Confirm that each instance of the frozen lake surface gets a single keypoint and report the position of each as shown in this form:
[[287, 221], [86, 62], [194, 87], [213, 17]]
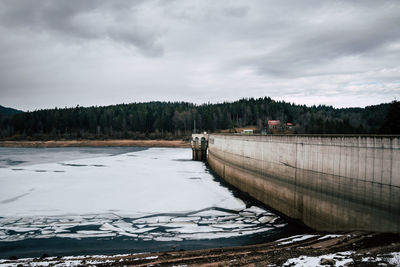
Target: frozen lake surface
[[71, 199]]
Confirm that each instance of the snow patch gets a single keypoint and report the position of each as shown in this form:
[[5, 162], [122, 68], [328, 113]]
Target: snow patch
[[338, 259], [293, 239]]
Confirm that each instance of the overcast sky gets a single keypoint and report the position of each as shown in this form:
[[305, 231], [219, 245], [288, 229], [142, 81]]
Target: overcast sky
[[65, 52]]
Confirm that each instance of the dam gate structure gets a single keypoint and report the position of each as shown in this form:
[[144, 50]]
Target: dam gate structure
[[330, 183], [199, 144]]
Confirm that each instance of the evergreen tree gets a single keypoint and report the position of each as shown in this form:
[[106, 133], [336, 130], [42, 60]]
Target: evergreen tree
[[391, 123], [175, 119]]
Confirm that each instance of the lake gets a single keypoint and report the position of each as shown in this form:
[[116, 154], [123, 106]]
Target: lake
[[75, 201]]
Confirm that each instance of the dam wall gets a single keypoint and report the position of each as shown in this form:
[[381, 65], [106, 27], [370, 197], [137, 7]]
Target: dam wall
[[330, 183]]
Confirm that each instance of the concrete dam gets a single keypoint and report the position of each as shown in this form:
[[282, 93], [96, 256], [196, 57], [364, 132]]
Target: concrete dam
[[329, 183]]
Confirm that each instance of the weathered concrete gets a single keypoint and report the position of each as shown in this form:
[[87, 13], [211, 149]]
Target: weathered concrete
[[328, 182], [199, 144]]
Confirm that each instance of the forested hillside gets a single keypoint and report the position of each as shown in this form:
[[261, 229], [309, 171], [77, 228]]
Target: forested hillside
[[171, 120], [4, 111]]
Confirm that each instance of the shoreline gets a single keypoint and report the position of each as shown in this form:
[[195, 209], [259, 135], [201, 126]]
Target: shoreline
[[313, 249], [97, 143]]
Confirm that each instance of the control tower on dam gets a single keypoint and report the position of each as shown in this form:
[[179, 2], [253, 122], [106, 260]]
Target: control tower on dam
[[330, 183]]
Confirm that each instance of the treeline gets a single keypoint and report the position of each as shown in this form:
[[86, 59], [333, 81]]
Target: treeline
[[172, 120]]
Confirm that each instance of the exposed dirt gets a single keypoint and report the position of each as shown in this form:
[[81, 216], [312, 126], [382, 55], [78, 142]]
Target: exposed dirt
[[362, 246], [272, 253], [96, 143]]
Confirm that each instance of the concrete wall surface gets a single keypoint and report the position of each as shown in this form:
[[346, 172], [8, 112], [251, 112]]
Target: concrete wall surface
[[330, 183]]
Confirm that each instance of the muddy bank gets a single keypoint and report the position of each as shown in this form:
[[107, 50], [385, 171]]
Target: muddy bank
[[312, 249], [96, 143]]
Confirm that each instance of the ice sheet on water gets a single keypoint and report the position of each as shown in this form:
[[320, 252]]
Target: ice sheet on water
[[250, 220], [230, 225], [186, 219], [170, 230], [144, 230], [128, 197], [246, 213], [167, 239], [212, 213], [192, 229], [32, 156], [127, 191], [125, 227], [266, 219], [256, 210], [107, 226], [19, 229], [208, 235], [92, 232], [152, 219], [229, 218], [85, 235], [128, 234]]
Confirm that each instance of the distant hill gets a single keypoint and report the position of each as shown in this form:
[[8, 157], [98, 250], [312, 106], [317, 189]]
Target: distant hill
[[4, 111], [173, 120]]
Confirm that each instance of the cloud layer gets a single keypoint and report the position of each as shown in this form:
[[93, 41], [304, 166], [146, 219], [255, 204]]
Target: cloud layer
[[98, 52]]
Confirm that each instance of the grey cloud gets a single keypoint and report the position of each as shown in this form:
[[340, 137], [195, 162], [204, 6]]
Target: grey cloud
[[89, 19], [368, 33], [308, 46], [237, 11], [42, 13], [63, 52]]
